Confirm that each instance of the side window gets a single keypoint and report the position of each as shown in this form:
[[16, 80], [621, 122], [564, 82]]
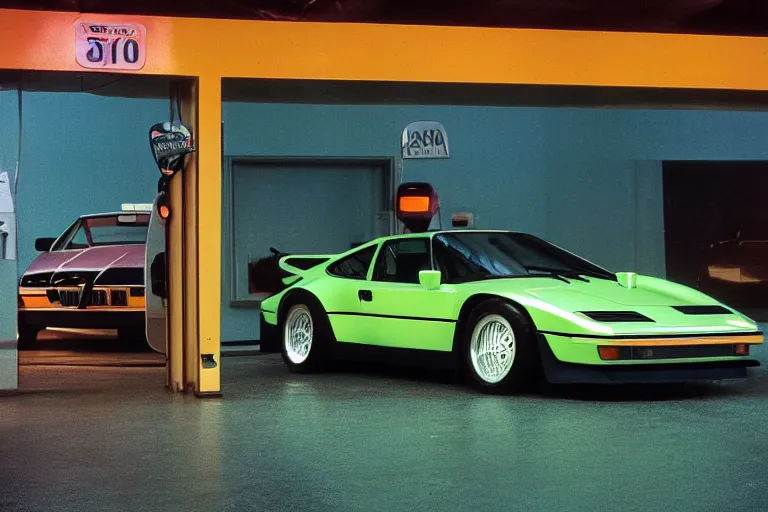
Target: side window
[[78, 241], [400, 261], [354, 266]]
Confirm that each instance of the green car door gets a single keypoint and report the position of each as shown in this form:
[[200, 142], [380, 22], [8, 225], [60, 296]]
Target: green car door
[[397, 311], [341, 293]]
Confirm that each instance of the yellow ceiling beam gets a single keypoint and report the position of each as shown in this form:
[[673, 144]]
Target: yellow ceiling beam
[[38, 40]]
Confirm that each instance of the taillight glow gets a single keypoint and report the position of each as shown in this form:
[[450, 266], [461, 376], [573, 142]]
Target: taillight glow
[[414, 204]]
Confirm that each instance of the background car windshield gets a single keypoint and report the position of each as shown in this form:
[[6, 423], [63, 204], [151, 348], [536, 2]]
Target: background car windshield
[[111, 230], [483, 255]]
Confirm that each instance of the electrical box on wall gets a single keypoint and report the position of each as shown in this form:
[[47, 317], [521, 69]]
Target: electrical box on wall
[[463, 220]]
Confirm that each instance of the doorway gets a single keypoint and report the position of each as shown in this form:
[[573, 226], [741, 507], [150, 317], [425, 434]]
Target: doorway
[[309, 206], [81, 211], [716, 231]]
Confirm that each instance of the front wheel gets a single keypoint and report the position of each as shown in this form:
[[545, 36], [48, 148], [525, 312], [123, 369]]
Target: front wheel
[[27, 335], [134, 338], [304, 338], [499, 348]]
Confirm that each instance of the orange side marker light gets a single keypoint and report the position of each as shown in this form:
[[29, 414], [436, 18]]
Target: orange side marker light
[[608, 353]]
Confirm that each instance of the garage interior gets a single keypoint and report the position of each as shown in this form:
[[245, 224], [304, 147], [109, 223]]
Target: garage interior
[[517, 163], [77, 153], [587, 168], [716, 230]]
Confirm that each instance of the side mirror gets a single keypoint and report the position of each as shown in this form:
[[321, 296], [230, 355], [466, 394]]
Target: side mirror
[[157, 272], [430, 279], [44, 244]]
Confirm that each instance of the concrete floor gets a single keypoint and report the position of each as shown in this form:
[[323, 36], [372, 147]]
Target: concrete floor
[[81, 438]]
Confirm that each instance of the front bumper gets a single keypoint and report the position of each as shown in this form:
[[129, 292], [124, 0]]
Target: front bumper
[[581, 363], [82, 318], [269, 341]]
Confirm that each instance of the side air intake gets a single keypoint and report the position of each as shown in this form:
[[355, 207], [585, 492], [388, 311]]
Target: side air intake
[[702, 310], [616, 316]]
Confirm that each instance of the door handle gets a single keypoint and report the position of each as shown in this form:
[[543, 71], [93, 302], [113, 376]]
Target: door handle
[[365, 295]]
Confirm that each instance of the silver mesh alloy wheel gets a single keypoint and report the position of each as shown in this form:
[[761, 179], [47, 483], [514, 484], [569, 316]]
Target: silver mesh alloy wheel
[[492, 348], [298, 334]]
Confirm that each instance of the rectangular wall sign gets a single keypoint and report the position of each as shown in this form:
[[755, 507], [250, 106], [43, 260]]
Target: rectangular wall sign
[[424, 139], [110, 46]]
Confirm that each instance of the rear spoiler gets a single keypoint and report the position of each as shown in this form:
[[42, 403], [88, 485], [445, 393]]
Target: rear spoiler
[[298, 264]]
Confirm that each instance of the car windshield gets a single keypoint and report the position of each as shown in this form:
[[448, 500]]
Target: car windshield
[[125, 229], [472, 256]]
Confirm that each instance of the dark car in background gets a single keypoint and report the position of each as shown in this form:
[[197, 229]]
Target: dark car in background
[[736, 270]]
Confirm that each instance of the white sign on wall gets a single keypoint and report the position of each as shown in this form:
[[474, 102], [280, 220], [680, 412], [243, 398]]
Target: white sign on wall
[[424, 139], [7, 219]]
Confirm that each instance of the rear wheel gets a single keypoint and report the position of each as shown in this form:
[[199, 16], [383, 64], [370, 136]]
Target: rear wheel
[[305, 333], [499, 348]]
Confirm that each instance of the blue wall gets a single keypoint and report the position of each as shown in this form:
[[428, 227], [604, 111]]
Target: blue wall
[[589, 179], [81, 153]]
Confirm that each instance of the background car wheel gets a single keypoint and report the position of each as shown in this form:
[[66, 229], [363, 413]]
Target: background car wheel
[[305, 333], [134, 338], [27, 335], [499, 348]]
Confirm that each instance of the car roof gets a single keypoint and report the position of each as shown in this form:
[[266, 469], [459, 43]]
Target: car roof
[[440, 232], [113, 214]]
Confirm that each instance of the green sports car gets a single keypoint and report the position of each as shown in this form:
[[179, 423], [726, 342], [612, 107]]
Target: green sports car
[[503, 308]]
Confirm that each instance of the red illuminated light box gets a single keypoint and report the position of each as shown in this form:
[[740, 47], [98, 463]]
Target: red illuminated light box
[[417, 204]]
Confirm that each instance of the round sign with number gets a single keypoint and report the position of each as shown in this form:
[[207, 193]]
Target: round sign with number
[[110, 46]]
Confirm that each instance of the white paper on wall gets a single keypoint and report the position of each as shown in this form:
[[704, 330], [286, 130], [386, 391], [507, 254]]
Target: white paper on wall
[[6, 199]]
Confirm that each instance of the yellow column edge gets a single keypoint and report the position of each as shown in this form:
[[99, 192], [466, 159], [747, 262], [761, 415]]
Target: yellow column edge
[[209, 233], [175, 260]]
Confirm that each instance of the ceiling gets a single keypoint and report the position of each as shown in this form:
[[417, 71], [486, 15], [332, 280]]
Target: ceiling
[[737, 17]]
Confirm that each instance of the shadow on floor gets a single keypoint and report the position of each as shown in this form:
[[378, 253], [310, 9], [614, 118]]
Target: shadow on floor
[[83, 340], [576, 392]]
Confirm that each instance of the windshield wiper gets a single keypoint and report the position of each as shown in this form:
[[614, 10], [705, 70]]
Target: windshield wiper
[[573, 273], [482, 276], [554, 272], [591, 273]]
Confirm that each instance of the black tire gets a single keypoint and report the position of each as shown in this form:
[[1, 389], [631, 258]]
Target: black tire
[[27, 335], [320, 338], [134, 338], [525, 362]]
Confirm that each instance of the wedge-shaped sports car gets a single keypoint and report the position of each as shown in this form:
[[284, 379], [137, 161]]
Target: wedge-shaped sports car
[[503, 305], [90, 277]]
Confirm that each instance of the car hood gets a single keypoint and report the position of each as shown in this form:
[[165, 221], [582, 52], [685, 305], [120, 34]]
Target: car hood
[[559, 305], [599, 294], [94, 258], [604, 294]]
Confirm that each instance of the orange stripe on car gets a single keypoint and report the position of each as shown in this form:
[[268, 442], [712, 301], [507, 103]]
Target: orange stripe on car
[[669, 342]]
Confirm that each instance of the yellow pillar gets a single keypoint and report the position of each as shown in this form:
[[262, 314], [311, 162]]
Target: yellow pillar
[[189, 102], [194, 247], [175, 263], [209, 236]]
